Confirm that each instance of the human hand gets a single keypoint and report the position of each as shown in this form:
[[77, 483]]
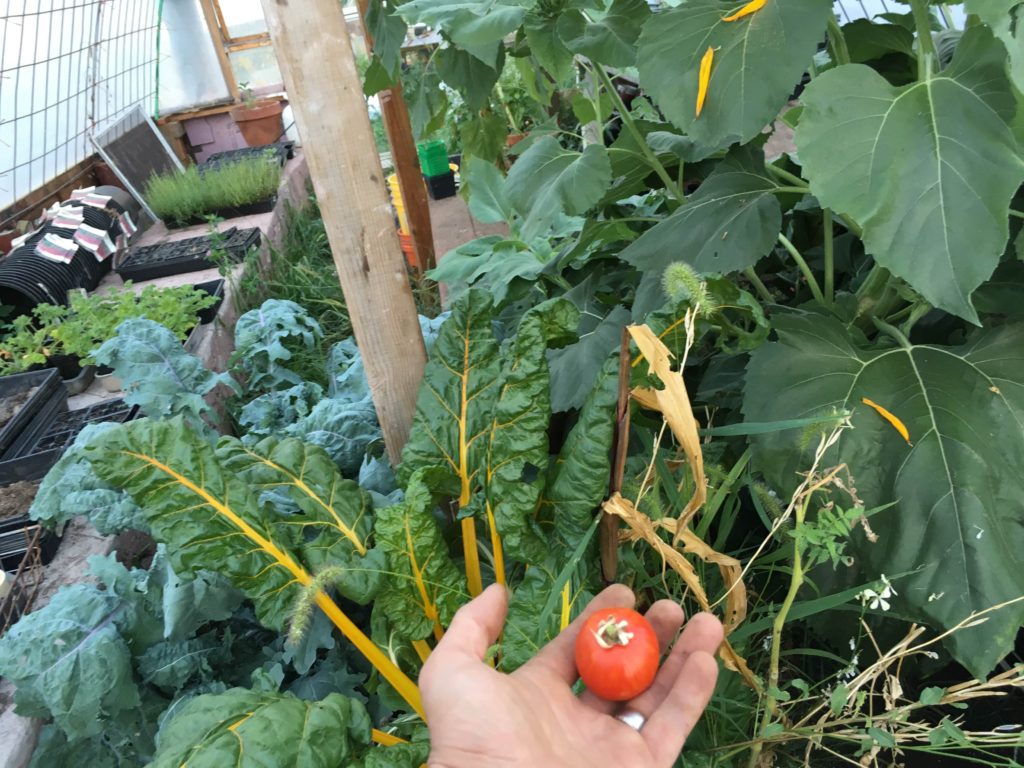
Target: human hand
[[479, 717]]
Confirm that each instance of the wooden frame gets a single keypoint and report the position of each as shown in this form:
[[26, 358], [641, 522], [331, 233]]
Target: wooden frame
[[225, 44]]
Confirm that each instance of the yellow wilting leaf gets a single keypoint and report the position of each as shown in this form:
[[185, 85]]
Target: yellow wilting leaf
[[892, 418], [752, 7], [641, 527], [674, 404], [704, 77]]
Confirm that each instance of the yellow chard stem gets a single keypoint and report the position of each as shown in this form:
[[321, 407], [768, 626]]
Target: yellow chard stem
[[422, 649], [385, 739], [499, 557], [752, 7], [473, 578]]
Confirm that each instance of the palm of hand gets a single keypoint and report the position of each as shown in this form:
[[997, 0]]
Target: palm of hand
[[480, 717]]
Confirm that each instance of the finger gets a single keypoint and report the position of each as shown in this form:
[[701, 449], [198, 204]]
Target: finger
[[558, 656], [669, 726], [704, 634], [475, 627], [665, 617]]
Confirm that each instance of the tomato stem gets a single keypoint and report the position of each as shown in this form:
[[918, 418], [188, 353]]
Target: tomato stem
[[611, 633]]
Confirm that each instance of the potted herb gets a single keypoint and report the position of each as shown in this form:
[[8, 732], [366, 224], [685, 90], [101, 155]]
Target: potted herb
[[259, 120], [237, 189]]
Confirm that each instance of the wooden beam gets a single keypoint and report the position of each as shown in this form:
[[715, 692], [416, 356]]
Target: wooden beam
[[210, 14], [314, 53], [407, 164]]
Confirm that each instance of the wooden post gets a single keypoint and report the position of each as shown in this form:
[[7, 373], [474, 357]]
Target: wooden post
[[315, 56], [407, 164], [210, 14]]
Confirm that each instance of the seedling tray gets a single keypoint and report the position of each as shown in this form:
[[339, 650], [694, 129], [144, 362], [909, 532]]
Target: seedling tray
[[29, 416], [15, 535], [189, 255], [233, 212], [283, 151], [34, 458], [216, 289]]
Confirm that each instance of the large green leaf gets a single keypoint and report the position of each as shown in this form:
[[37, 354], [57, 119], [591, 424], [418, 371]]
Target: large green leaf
[[611, 38], [486, 191], [335, 524], [1006, 18], [426, 588], [453, 408], [548, 180], [578, 478], [928, 170], [958, 485], [249, 729], [388, 32], [492, 263], [483, 136], [208, 517], [69, 661], [468, 75], [517, 442], [757, 62], [731, 221], [546, 46]]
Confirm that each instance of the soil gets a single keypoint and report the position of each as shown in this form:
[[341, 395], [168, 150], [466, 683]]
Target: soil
[[11, 404], [15, 499]]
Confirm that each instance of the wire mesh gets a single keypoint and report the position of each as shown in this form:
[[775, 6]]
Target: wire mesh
[[68, 68], [25, 582]]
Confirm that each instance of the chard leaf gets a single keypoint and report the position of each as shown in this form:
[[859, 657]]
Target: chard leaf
[[68, 661], [757, 62], [426, 588], [728, 224], [173, 664], [453, 408], [261, 336], [861, 140], [334, 526], [960, 496], [157, 374], [578, 478], [517, 440], [249, 729], [548, 180], [207, 516], [397, 756]]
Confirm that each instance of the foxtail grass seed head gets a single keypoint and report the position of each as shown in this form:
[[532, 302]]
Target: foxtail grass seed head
[[302, 615]]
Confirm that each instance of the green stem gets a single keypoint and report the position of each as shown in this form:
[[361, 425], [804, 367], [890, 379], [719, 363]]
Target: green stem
[[812, 283], [830, 259], [630, 125], [1016, 214], [838, 40], [797, 190], [874, 283], [796, 580], [926, 45], [761, 288], [892, 332], [785, 175]]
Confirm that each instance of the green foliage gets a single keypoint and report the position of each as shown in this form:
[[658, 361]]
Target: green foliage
[[157, 374], [956, 482], [252, 729], [190, 195], [261, 342], [91, 319]]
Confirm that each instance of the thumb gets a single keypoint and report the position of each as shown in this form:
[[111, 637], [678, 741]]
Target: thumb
[[475, 628]]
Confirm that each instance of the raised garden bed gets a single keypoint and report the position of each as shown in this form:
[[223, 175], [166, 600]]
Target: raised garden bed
[[17, 530], [28, 403], [189, 255], [216, 289]]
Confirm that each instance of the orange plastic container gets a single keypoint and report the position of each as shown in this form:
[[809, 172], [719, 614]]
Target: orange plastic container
[[408, 248]]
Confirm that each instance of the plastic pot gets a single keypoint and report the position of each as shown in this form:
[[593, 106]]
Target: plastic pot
[[260, 124]]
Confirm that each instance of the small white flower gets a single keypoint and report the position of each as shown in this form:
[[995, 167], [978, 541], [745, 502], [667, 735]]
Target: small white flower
[[931, 655], [853, 644]]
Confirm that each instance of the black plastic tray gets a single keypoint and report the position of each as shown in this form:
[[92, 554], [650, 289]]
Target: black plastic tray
[[15, 535], [440, 187], [188, 255], [283, 151], [216, 289], [49, 384], [34, 458], [233, 212]]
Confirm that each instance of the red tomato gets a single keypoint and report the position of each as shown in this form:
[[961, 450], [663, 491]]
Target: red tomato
[[617, 653]]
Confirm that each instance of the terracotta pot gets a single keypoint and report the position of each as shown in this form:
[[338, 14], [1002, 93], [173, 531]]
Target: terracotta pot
[[260, 124], [513, 139]]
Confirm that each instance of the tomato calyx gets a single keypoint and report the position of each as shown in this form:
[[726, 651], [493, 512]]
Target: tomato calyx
[[611, 633]]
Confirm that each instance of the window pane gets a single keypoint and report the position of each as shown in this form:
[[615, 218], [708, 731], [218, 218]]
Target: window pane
[[243, 17], [256, 66]]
